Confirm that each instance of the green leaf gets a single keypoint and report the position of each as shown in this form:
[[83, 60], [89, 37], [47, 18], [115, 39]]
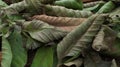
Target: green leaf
[[43, 57], [108, 7], [2, 4], [73, 4], [19, 53], [6, 53], [43, 32], [67, 46]]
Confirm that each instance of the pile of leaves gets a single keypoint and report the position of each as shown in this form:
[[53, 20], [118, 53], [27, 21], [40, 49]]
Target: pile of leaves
[[60, 33]]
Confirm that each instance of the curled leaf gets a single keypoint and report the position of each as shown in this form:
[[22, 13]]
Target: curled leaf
[[98, 41], [92, 4], [59, 21], [72, 4], [15, 8], [67, 28], [95, 8], [104, 39], [87, 38], [70, 40], [64, 12]]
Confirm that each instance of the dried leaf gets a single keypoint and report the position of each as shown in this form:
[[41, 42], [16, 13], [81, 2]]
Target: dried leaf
[[92, 4], [70, 40], [98, 43], [43, 32], [87, 38], [95, 8], [34, 6], [67, 28], [72, 4], [59, 21], [15, 8], [64, 12]]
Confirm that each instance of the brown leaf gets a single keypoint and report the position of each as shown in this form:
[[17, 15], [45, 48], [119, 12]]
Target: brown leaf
[[67, 28], [59, 21], [104, 39]]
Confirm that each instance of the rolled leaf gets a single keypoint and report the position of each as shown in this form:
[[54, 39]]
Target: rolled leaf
[[92, 4], [67, 28], [104, 39], [70, 40], [95, 8], [43, 57], [72, 4], [6, 53], [64, 12], [98, 43], [15, 8], [19, 53], [43, 32], [59, 21], [108, 7], [34, 6]]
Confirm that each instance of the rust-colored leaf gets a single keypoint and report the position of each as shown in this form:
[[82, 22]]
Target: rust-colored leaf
[[59, 21]]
